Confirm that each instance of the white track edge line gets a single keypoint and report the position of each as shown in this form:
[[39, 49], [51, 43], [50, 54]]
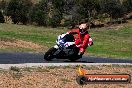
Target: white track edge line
[[7, 66]]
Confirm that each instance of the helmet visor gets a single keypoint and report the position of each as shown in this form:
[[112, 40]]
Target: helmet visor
[[82, 31]]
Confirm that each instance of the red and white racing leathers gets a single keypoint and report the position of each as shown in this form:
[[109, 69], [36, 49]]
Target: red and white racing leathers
[[81, 40]]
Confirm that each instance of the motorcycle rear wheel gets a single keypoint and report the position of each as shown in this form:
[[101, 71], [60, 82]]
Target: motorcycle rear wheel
[[49, 54]]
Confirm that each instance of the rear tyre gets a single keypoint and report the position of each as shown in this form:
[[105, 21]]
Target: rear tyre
[[49, 54], [75, 57]]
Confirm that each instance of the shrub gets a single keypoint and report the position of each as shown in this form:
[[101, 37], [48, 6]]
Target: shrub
[[128, 5], [54, 19], [113, 8], [19, 10], [88, 8], [45, 13], [39, 13]]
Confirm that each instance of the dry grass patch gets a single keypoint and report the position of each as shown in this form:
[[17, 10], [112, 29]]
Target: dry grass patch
[[6, 43], [60, 77]]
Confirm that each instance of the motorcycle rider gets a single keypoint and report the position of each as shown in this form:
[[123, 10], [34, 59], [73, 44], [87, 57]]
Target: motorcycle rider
[[83, 39]]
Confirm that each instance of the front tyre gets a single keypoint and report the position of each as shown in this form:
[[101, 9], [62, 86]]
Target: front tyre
[[49, 54], [73, 59]]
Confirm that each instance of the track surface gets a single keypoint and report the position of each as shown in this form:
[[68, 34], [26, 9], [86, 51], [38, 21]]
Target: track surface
[[23, 58]]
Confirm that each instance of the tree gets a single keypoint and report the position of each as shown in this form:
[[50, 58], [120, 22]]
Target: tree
[[2, 8], [19, 10], [1, 18], [112, 7], [55, 17], [59, 5], [47, 13], [88, 8], [128, 5], [55, 12], [70, 13], [39, 13], [3, 4]]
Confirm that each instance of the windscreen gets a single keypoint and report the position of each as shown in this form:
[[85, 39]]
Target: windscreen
[[68, 38]]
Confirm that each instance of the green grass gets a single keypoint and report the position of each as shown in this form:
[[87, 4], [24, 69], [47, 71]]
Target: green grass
[[112, 43], [107, 43], [41, 35]]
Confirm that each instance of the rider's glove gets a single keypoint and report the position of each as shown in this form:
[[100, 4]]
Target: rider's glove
[[67, 32], [90, 42]]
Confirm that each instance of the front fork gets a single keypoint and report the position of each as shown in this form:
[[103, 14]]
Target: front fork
[[58, 50], [56, 46], [59, 53]]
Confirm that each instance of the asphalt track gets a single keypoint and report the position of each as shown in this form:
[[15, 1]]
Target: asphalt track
[[23, 58]]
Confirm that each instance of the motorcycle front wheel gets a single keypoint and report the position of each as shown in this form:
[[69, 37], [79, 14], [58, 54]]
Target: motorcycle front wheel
[[49, 54], [74, 59]]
